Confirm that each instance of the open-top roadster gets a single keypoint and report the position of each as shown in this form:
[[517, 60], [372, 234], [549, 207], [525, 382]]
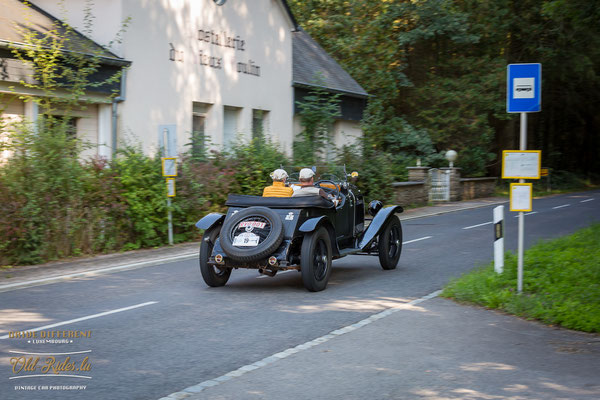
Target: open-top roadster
[[273, 234]]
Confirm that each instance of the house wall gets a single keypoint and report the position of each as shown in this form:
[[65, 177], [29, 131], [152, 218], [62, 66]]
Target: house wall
[[177, 61]]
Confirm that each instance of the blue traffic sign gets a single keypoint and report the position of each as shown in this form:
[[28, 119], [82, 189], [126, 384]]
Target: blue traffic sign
[[524, 88]]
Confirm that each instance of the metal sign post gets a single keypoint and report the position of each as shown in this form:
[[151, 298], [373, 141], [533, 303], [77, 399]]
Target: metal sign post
[[524, 94], [169, 170]]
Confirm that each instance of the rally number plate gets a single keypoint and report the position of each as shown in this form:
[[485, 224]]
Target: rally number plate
[[246, 239]]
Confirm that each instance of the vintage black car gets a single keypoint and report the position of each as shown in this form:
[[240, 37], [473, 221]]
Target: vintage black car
[[273, 234]]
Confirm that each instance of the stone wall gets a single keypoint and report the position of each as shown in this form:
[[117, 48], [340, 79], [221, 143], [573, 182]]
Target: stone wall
[[406, 193], [473, 188], [416, 191]]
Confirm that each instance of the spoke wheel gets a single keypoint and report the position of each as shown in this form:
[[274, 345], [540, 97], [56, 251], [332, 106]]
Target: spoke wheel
[[315, 260], [390, 244]]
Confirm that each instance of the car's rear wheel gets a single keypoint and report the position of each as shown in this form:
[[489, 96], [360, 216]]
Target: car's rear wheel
[[390, 243], [252, 234], [212, 275], [315, 260]]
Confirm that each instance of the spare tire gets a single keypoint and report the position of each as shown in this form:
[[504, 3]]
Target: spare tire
[[251, 234]]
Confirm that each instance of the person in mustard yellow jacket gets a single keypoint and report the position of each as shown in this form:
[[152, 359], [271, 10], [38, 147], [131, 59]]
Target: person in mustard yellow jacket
[[278, 189]]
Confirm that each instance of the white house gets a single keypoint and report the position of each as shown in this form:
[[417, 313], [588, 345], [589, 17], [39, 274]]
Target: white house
[[199, 72]]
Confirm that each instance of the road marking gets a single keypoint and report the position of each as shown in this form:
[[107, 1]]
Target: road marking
[[417, 240], [49, 354], [279, 273], [475, 226], [190, 391], [118, 268], [72, 321], [53, 375], [585, 201], [529, 213], [557, 207]]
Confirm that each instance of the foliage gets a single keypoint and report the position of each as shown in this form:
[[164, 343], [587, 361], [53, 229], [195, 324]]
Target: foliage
[[440, 65], [62, 66], [317, 112], [561, 283]]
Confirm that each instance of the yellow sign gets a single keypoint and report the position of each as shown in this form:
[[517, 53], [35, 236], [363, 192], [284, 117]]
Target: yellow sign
[[521, 164], [545, 172], [169, 166], [520, 196], [170, 187]]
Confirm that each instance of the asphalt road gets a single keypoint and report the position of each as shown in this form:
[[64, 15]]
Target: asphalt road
[[180, 332]]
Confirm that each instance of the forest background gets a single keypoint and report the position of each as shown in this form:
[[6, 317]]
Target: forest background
[[436, 71]]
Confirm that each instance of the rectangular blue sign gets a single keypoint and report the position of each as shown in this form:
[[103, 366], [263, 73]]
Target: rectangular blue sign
[[524, 88]]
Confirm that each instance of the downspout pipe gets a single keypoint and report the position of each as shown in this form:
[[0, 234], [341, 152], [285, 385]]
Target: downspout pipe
[[115, 101]]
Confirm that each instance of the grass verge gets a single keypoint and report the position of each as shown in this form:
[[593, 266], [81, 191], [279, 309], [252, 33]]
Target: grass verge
[[561, 283]]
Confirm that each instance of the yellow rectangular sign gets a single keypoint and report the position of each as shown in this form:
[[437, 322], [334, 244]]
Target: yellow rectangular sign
[[170, 187], [544, 172], [169, 166], [521, 195], [521, 164]]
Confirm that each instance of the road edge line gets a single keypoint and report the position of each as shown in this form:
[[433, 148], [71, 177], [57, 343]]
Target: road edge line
[[191, 390]]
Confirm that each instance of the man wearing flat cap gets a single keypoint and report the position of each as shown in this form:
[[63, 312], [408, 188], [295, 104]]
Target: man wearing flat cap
[[278, 189], [307, 187]]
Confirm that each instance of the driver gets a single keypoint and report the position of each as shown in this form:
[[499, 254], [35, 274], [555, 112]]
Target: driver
[[278, 189], [307, 187]]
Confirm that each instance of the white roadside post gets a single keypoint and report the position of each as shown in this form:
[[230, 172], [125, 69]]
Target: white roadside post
[[523, 95], [499, 239]]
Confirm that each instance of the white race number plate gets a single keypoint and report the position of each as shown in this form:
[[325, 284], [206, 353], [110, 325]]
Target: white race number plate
[[246, 239]]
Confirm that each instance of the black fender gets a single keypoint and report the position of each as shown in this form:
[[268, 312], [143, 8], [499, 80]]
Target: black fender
[[377, 225], [311, 225], [210, 220]]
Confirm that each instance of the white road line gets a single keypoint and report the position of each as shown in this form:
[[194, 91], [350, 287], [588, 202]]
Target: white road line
[[53, 375], [190, 391], [475, 226], [118, 268], [585, 201], [557, 207], [417, 240], [529, 213], [279, 273], [72, 321]]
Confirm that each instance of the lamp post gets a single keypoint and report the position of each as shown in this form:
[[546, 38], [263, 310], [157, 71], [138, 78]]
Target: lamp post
[[451, 157]]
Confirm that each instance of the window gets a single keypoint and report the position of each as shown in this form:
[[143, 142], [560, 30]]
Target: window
[[230, 122], [259, 124], [198, 137]]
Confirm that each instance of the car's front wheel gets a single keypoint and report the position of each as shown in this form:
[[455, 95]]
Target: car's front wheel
[[390, 244], [315, 260], [213, 276]]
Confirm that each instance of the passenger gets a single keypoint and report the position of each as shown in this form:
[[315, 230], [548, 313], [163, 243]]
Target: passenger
[[278, 189], [307, 187]]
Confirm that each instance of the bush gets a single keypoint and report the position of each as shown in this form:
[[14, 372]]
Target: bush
[[561, 283]]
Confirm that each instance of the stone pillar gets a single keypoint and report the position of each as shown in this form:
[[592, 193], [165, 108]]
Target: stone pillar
[[455, 185], [417, 174]]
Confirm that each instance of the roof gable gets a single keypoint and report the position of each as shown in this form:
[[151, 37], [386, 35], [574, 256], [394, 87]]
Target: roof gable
[[311, 62]]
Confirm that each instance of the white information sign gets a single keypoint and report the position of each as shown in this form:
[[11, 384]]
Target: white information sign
[[523, 88], [171, 187], [524, 164], [520, 196], [169, 166]]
